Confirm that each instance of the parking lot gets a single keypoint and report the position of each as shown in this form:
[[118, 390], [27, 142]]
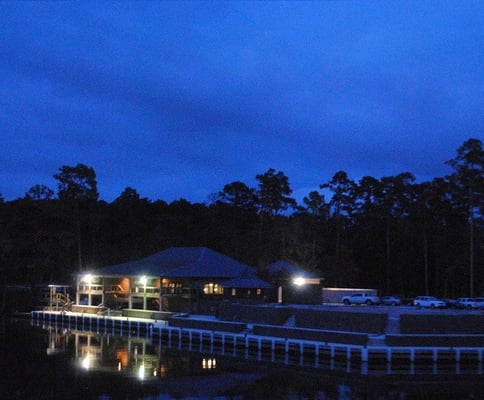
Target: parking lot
[[396, 310]]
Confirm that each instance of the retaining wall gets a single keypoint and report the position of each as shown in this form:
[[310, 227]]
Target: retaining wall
[[254, 314], [360, 321], [435, 340], [311, 334], [334, 320], [441, 324], [233, 327]]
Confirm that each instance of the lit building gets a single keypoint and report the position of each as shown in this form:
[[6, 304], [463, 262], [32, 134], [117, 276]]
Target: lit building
[[179, 279]]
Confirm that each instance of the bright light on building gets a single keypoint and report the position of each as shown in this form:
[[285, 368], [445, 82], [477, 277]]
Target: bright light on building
[[299, 281], [141, 372], [87, 279], [143, 280]]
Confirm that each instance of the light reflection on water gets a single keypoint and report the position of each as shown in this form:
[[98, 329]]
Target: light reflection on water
[[65, 363]]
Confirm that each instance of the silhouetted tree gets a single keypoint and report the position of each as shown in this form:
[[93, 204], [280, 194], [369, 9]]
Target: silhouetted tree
[[237, 194], [77, 183], [313, 222], [396, 200], [341, 211], [468, 179], [273, 193], [77, 190], [40, 192], [131, 223], [369, 232], [273, 196]]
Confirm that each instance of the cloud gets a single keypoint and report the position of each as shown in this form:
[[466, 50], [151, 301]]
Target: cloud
[[178, 99]]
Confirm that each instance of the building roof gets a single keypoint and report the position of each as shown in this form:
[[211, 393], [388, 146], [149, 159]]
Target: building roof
[[284, 270], [182, 262], [246, 283]]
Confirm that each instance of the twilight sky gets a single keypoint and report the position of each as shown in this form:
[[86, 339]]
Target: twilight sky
[[177, 99]]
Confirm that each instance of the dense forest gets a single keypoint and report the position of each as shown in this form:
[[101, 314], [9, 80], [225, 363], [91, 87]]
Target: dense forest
[[389, 233]]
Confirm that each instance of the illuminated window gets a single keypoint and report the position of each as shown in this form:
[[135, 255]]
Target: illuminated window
[[212, 288], [259, 292], [169, 287], [234, 291]]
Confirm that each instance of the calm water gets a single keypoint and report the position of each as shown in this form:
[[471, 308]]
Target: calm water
[[57, 363]]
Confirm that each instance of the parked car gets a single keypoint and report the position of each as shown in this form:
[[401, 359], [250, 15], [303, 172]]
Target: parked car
[[466, 303], [428, 302], [391, 300], [408, 301], [478, 303], [360, 298], [451, 303]]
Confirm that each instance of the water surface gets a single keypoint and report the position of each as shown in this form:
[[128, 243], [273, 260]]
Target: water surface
[[59, 363]]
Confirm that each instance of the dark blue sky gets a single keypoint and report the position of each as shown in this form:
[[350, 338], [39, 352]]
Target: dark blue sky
[[177, 99]]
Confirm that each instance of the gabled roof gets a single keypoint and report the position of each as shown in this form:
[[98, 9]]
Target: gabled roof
[[247, 283], [182, 262], [284, 270]]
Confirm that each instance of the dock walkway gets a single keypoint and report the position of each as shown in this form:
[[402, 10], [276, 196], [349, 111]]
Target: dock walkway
[[272, 341]]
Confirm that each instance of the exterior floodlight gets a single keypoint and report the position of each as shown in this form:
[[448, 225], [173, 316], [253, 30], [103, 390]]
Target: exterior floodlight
[[143, 280], [87, 279], [141, 372], [299, 281]]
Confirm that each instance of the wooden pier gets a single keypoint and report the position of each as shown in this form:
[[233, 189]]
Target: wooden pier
[[375, 351]]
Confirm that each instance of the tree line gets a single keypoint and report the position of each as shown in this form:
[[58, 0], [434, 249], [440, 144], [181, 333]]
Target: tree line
[[389, 233]]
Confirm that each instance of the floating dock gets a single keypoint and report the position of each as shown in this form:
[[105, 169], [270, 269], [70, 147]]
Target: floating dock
[[266, 342]]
